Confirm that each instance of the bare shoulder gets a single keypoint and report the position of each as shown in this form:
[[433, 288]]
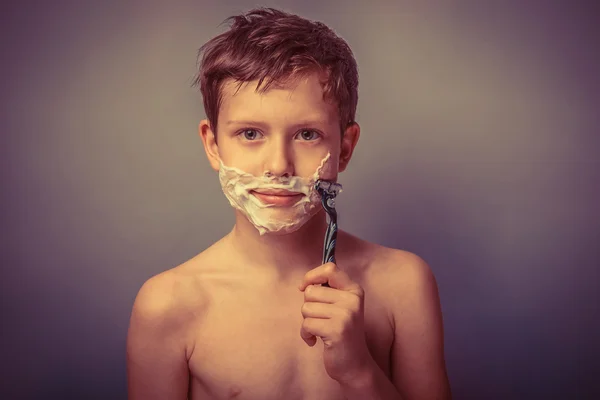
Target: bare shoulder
[[408, 285], [402, 269], [160, 337], [388, 266], [405, 284], [174, 299], [180, 295], [403, 281], [168, 294]]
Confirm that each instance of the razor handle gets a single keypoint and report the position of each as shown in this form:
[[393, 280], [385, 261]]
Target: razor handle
[[331, 233]]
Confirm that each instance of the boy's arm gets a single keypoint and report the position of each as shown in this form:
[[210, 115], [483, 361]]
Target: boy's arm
[[156, 347], [418, 365]]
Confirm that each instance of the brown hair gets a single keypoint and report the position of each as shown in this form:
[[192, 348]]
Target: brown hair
[[272, 45]]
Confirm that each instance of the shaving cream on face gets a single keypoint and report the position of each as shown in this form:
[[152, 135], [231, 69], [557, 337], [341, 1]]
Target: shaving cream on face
[[237, 186]]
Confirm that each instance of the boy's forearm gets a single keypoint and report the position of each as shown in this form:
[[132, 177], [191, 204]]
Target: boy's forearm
[[374, 385]]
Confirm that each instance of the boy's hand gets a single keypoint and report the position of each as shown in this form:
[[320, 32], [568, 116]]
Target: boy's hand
[[336, 315]]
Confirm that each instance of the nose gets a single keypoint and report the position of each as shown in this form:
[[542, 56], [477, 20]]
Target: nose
[[279, 160]]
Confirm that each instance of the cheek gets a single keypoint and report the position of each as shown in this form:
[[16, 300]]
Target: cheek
[[330, 168], [327, 164], [307, 160], [234, 156]]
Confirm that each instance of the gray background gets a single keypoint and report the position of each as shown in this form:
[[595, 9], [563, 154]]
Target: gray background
[[479, 152]]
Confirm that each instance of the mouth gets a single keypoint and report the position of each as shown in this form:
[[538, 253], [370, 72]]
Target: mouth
[[279, 198]]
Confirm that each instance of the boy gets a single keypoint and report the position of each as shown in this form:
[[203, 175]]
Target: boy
[[242, 318]]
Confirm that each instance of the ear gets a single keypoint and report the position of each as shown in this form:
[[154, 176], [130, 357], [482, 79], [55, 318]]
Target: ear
[[349, 142], [210, 144]]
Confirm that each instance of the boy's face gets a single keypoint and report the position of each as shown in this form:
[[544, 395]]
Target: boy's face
[[288, 130]]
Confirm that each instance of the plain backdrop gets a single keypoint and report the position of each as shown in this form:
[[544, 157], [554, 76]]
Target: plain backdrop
[[479, 152]]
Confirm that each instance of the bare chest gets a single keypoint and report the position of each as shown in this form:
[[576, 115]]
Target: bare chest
[[252, 349]]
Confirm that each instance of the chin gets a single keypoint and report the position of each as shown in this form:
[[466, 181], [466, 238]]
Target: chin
[[281, 228], [283, 231]]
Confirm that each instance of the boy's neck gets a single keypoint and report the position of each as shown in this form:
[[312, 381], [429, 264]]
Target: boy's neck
[[286, 256]]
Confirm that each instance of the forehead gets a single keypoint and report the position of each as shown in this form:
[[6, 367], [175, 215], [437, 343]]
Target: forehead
[[294, 98]]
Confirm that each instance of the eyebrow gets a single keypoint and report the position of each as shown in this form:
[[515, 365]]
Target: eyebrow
[[259, 123]]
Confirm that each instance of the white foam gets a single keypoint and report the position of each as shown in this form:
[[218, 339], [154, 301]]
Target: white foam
[[237, 186]]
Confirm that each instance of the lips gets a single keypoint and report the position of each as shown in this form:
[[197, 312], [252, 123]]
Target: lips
[[280, 198], [282, 193]]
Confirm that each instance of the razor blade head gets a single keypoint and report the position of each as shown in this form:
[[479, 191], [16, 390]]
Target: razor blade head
[[329, 189]]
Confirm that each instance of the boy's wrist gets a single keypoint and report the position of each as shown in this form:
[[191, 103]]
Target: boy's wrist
[[370, 383], [362, 379]]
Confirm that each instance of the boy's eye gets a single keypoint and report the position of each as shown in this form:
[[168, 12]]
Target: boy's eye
[[308, 135], [250, 134]]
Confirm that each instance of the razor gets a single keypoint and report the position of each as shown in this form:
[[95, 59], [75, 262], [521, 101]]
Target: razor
[[329, 191]]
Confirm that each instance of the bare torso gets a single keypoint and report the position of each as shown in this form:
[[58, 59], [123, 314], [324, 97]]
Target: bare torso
[[246, 332]]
